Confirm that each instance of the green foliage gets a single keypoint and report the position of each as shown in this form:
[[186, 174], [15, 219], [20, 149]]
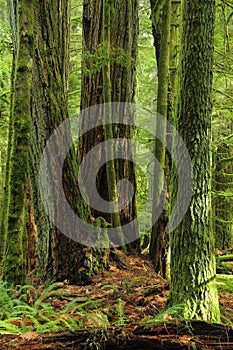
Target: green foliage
[[93, 341], [225, 268], [227, 320], [103, 53], [131, 284], [146, 63], [121, 318], [225, 283], [222, 126], [169, 314], [25, 309], [111, 287], [120, 313]]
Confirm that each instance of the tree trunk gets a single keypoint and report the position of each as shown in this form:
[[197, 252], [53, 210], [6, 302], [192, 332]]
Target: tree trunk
[[121, 50], [222, 196], [58, 257], [14, 253], [108, 132], [193, 267], [159, 244], [13, 16]]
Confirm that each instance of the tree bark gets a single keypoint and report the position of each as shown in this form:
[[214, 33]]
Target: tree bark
[[14, 263], [58, 257], [222, 202], [159, 244], [121, 50], [193, 267], [13, 17]]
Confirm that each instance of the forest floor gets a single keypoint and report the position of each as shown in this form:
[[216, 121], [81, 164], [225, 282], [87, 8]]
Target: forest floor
[[124, 303]]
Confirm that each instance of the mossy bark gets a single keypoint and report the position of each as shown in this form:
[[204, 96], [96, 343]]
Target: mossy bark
[[159, 239], [193, 268], [14, 253], [13, 17], [124, 37], [121, 51], [108, 132], [58, 257], [174, 54], [222, 197]]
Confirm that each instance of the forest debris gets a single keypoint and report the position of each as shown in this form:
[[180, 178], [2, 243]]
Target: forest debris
[[29, 336]]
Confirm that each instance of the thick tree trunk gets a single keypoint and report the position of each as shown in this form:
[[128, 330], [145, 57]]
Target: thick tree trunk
[[124, 34], [122, 50], [58, 257], [192, 243]]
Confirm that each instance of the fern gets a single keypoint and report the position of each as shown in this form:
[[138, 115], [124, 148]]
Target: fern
[[120, 313], [165, 316], [111, 287]]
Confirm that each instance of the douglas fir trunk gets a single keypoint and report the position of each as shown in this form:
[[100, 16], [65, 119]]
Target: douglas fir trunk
[[192, 243], [120, 49], [58, 257]]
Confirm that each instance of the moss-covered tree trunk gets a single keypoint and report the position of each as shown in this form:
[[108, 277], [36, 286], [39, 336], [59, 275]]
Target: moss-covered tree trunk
[[14, 262], [120, 49], [108, 127], [159, 240], [58, 257], [192, 243], [222, 201], [124, 37], [13, 17], [174, 54]]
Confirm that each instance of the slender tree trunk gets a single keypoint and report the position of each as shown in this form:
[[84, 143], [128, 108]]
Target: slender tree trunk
[[159, 241], [108, 132], [13, 16], [222, 198], [14, 255], [174, 53], [193, 268]]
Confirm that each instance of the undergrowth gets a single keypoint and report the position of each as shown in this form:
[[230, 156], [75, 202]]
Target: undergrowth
[[24, 309], [225, 283]]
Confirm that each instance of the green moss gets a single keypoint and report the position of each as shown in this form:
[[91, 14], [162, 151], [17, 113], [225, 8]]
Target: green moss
[[14, 258]]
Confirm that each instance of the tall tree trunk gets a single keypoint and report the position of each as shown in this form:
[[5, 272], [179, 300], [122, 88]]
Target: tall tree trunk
[[13, 17], [14, 253], [159, 240], [121, 51], [124, 37], [108, 132], [58, 257], [192, 243]]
